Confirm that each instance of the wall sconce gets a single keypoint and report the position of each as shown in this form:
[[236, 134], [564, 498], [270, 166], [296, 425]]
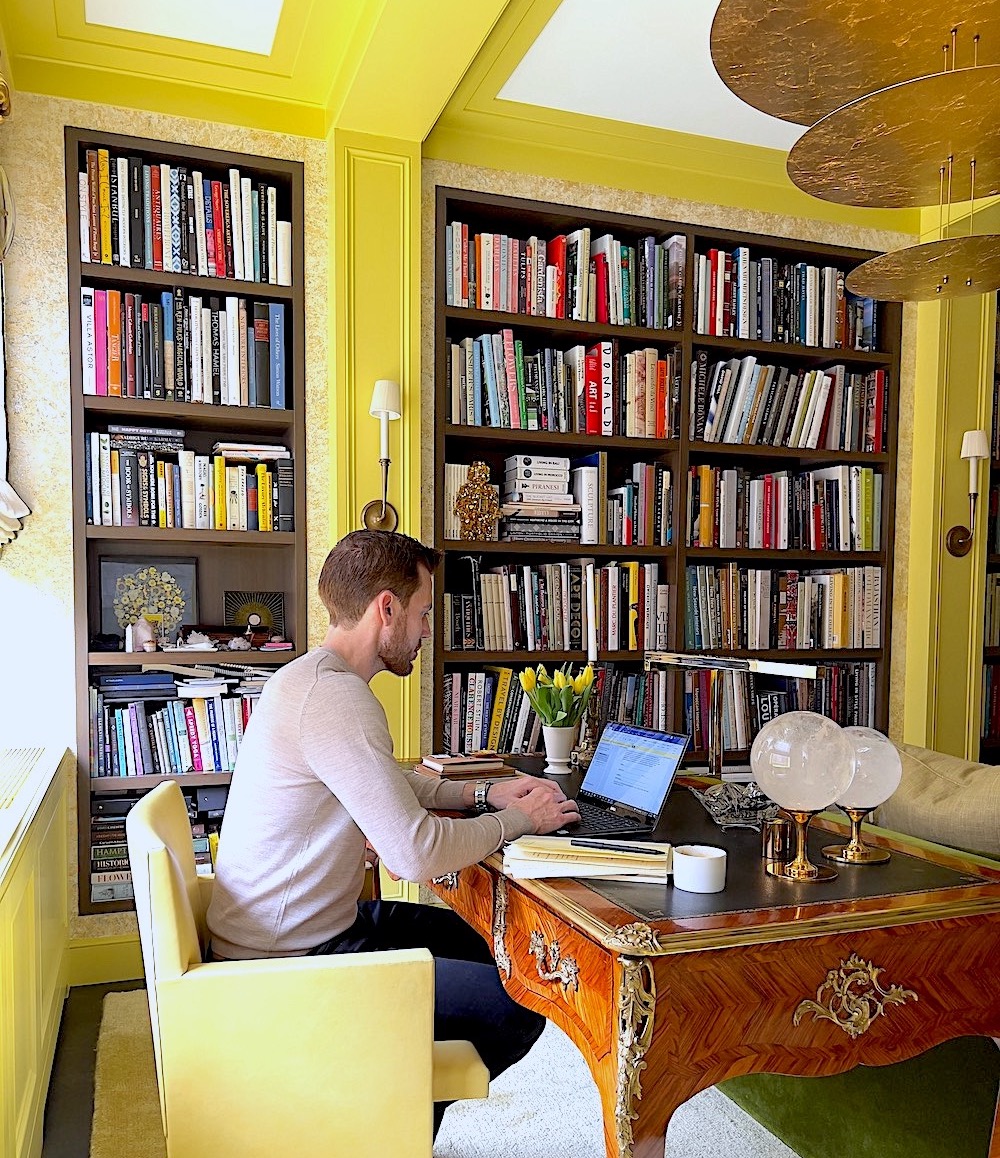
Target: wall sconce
[[975, 447], [386, 407]]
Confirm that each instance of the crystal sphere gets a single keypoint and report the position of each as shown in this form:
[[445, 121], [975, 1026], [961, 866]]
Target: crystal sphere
[[877, 769], [803, 761]]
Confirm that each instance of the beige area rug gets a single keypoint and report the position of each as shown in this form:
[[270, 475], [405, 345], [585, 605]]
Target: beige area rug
[[547, 1103], [126, 1103]]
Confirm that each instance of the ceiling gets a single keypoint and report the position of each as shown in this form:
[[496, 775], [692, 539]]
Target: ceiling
[[294, 65]]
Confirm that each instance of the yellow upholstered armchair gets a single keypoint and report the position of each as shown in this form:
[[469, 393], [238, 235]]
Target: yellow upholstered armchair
[[312, 1056]]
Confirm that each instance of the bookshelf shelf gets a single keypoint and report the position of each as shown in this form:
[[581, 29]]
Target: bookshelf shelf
[[113, 785], [531, 589], [136, 329], [252, 658], [219, 286], [195, 416], [191, 535]]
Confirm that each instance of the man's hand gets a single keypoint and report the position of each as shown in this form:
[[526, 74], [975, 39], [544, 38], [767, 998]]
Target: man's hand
[[504, 792], [546, 809]]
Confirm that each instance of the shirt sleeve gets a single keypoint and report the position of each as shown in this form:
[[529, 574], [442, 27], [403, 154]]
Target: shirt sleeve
[[346, 743]]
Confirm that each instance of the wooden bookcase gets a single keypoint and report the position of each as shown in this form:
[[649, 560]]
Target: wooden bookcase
[[226, 560], [463, 443]]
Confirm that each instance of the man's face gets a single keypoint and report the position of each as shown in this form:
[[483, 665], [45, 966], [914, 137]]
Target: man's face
[[410, 625]]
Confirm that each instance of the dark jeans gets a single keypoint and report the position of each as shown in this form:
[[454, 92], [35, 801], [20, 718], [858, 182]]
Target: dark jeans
[[470, 1003]]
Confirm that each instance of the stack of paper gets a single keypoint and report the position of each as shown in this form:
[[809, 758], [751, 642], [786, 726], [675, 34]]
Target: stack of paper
[[533, 857]]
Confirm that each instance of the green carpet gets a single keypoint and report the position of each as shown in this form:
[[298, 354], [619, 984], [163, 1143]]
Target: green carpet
[[937, 1105]]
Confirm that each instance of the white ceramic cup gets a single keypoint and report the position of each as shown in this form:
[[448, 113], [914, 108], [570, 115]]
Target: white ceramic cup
[[699, 868]]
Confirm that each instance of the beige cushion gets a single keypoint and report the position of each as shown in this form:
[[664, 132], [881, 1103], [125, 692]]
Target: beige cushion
[[946, 799]]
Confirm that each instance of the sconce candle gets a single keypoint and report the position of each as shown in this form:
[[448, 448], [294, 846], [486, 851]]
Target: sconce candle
[[975, 447], [386, 407]]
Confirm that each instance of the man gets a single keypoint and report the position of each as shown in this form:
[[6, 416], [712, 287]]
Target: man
[[315, 778]]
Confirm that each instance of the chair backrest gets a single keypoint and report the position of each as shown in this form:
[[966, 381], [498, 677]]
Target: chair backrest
[[170, 899]]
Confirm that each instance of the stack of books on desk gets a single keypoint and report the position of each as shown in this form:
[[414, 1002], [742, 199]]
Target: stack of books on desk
[[532, 857], [479, 766]]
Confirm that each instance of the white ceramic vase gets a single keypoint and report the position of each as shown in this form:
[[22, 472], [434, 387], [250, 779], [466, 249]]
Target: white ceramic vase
[[559, 744]]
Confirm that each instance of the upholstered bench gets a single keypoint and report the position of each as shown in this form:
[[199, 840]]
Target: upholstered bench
[[937, 1105]]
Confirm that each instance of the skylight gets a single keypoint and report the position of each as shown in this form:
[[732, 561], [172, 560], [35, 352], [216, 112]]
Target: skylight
[[246, 25]]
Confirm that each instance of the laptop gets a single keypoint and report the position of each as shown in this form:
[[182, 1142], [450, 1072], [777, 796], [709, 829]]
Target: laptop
[[628, 781]]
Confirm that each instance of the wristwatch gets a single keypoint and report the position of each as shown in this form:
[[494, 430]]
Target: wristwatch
[[479, 798]]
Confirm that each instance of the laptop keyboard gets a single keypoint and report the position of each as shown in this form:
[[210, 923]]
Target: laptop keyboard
[[598, 820]]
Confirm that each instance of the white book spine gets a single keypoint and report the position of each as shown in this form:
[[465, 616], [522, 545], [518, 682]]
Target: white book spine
[[202, 487], [284, 248], [95, 477], [185, 465], [232, 378], [246, 213], [236, 216], [124, 233], [116, 491], [584, 489]]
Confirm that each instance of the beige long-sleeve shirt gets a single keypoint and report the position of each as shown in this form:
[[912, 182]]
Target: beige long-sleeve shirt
[[315, 776]]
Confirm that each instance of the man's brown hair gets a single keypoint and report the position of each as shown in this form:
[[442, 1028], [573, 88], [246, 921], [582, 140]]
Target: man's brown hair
[[364, 563]]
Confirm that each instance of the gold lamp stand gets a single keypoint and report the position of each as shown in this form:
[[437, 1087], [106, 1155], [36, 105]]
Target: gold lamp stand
[[855, 851], [801, 867], [380, 514]]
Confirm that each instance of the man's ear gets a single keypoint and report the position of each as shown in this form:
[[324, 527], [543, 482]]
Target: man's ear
[[383, 607]]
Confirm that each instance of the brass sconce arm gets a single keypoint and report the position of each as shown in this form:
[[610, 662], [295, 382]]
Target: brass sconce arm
[[386, 407]]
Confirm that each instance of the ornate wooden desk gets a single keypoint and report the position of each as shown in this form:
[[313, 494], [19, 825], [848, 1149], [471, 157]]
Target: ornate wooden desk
[[791, 979]]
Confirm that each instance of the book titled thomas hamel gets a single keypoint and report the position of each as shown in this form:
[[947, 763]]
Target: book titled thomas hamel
[[459, 766], [535, 857]]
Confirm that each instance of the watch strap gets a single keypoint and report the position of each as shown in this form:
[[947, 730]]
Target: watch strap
[[480, 802]]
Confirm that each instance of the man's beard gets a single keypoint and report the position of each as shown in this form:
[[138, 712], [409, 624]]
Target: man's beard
[[395, 655]]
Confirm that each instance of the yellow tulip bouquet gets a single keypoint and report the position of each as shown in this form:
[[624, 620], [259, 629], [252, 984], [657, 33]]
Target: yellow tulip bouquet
[[560, 699]]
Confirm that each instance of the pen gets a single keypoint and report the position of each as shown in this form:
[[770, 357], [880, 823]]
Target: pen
[[644, 850]]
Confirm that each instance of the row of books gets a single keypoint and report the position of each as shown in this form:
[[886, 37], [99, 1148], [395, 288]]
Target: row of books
[[493, 381], [833, 508], [110, 868], [170, 217], [739, 295], [572, 275], [130, 482], [566, 606], [990, 707], [488, 710], [148, 724], [739, 401], [993, 517], [734, 607], [991, 622], [183, 348], [843, 691]]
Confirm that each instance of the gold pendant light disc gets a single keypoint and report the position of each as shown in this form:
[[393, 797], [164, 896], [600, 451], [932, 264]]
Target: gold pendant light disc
[[951, 268], [800, 61], [886, 149]]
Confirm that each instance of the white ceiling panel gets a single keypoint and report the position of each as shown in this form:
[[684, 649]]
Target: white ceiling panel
[[246, 25], [645, 62]]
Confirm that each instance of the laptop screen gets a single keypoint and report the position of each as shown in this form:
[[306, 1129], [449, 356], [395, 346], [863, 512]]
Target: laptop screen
[[634, 766]]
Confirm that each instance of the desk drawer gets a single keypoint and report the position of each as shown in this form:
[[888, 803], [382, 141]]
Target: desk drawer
[[564, 969]]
